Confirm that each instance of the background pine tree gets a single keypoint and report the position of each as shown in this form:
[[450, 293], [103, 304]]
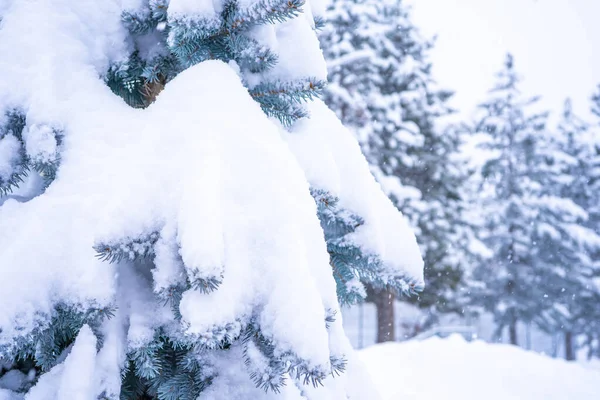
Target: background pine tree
[[512, 186], [536, 203], [563, 242], [587, 149]]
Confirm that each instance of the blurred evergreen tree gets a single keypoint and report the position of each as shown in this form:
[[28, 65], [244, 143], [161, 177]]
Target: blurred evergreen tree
[[508, 281], [566, 244], [588, 155], [533, 190]]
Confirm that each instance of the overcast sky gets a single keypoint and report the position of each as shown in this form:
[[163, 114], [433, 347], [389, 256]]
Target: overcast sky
[[556, 44]]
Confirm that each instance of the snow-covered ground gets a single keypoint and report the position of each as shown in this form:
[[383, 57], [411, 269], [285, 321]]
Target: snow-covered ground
[[453, 369], [360, 324]]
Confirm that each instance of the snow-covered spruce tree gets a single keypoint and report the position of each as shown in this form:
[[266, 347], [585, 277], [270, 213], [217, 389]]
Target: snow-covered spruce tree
[[381, 87], [158, 237], [511, 287]]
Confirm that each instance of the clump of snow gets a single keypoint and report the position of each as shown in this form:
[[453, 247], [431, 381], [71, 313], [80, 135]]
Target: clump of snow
[[9, 154], [454, 368], [332, 161], [78, 374], [6, 394], [204, 12], [298, 51], [13, 380], [318, 7], [111, 358], [73, 379], [234, 383], [195, 7], [40, 143]]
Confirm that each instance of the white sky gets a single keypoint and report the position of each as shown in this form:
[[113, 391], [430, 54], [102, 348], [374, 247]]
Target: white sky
[[556, 44]]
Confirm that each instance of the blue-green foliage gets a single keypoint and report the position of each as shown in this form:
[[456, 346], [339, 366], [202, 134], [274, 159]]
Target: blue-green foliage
[[47, 342], [186, 42], [141, 249], [284, 100], [165, 370], [14, 124], [319, 23], [132, 250], [174, 366], [351, 266], [169, 367], [268, 370]]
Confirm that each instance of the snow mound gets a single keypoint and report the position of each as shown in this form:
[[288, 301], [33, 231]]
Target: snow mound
[[455, 369]]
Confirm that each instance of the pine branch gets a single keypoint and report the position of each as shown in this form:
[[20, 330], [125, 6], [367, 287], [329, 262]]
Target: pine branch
[[319, 23], [14, 125], [129, 249], [219, 337], [159, 8], [159, 69], [249, 54], [246, 51], [282, 100], [138, 23], [330, 317], [266, 371], [126, 81], [15, 179], [173, 367], [138, 81], [196, 50], [349, 263], [172, 296], [274, 93], [45, 168], [299, 370], [262, 12], [193, 30], [55, 334], [349, 289], [285, 113], [338, 365], [205, 285], [145, 359], [132, 386]]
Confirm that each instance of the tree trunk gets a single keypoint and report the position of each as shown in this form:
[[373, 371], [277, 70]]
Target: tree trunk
[[384, 301], [569, 350], [512, 332]]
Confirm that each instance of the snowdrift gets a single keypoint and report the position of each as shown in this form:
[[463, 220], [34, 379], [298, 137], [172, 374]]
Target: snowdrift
[[448, 369]]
